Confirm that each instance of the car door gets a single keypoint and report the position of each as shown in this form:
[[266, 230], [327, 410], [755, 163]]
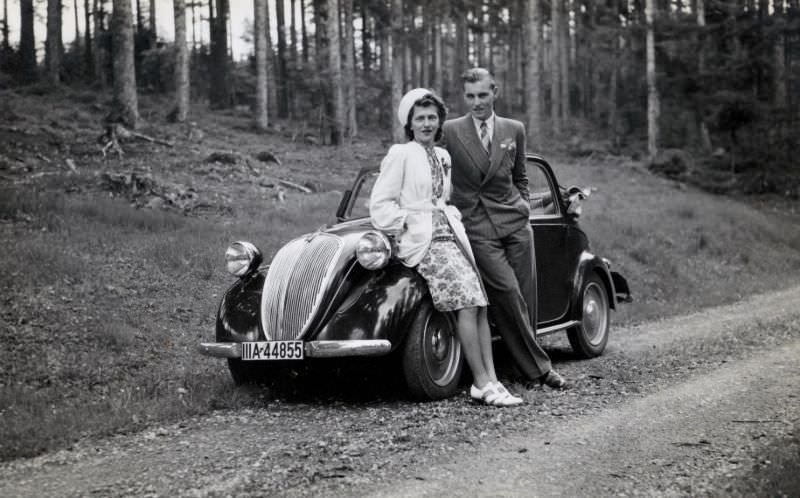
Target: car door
[[554, 278]]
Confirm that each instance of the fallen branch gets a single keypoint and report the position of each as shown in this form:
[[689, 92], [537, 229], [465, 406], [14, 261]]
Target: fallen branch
[[116, 132], [702, 442], [113, 144], [151, 139], [297, 186]]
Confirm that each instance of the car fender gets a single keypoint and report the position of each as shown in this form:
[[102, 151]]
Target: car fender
[[239, 312], [588, 263], [381, 306]]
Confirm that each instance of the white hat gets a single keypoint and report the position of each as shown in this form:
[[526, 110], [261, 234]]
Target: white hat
[[407, 102]]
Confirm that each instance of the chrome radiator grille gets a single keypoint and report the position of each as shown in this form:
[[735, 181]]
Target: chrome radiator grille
[[296, 279]]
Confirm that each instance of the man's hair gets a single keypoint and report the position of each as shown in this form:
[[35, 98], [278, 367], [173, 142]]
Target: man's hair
[[475, 74], [431, 99]]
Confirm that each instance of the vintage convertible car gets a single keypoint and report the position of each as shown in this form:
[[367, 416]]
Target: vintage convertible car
[[338, 292]]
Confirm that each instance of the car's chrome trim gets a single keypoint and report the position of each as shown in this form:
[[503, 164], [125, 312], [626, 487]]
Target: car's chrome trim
[[221, 349], [333, 349], [294, 285], [313, 349], [552, 329]]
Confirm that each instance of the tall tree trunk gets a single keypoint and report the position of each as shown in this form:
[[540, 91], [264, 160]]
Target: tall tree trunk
[[220, 84], [613, 86], [705, 137], [555, 66], [100, 52], [480, 33], [396, 46], [790, 46], [349, 71], [303, 33], [293, 51], [272, 86], [283, 95], [88, 56], [77, 27], [462, 46], [564, 56], [54, 47], [27, 43], [321, 98], [653, 106], [423, 55], [139, 19], [409, 69], [260, 31], [583, 63], [515, 75], [337, 116], [779, 59], [193, 6], [383, 42], [366, 38], [6, 42], [294, 56], [533, 76], [125, 107], [153, 33], [450, 84], [438, 69], [182, 87]]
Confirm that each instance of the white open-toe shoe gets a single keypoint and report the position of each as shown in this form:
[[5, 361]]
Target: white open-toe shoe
[[493, 395], [508, 398]]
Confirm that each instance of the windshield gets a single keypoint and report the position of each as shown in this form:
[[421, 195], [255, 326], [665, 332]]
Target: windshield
[[361, 194]]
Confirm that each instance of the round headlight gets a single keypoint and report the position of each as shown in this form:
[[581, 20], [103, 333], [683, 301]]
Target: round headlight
[[241, 258], [373, 250]]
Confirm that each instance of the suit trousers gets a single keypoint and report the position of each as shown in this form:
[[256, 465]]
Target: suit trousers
[[508, 270]]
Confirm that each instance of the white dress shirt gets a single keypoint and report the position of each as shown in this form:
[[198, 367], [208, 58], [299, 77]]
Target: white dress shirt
[[489, 126]]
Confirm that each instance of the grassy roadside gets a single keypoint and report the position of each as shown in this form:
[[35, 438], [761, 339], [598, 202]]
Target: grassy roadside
[[104, 301]]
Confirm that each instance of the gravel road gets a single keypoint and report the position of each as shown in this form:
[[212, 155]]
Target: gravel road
[[703, 404]]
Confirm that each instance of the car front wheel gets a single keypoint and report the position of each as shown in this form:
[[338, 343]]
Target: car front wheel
[[432, 357], [589, 338]]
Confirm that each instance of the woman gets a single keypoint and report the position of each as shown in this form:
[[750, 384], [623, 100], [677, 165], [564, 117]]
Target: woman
[[408, 201]]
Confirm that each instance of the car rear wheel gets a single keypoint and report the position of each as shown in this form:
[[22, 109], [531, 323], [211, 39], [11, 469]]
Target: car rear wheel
[[589, 338], [432, 357]]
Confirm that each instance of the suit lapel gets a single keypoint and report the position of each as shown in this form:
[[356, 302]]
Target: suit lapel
[[496, 159], [468, 137]]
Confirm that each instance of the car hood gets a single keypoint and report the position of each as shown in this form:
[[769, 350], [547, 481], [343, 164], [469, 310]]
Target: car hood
[[303, 277]]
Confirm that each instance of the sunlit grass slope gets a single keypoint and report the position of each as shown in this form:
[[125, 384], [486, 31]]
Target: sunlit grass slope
[[680, 248]]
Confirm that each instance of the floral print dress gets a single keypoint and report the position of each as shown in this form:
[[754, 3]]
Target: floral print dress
[[452, 280]]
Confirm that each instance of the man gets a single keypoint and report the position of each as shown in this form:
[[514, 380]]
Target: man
[[490, 188]]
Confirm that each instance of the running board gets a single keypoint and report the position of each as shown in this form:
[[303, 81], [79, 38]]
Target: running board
[[552, 329]]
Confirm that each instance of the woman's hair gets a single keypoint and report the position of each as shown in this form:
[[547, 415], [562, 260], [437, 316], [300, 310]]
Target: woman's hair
[[426, 101]]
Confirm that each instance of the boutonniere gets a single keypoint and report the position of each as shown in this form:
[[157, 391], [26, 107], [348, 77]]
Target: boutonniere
[[508, 145], [445, 167]]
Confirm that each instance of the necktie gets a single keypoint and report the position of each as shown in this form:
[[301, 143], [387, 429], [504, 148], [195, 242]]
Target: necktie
[[485, 139]]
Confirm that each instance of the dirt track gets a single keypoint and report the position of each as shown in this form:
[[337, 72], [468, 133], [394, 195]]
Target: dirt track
[[701, 404]]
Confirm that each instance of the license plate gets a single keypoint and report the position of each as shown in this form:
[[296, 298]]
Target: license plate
[[272, 350]]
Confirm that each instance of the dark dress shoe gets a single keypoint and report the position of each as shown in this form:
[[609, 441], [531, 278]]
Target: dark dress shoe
[[553, 379]]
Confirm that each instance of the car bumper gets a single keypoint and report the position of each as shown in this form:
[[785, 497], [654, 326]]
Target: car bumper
[[312, 349]]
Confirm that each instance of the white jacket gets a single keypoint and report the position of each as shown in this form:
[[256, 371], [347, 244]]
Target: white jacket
[[400, 203]]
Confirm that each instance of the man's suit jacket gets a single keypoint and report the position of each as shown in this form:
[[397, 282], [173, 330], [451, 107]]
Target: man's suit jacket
[[491, 191]]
